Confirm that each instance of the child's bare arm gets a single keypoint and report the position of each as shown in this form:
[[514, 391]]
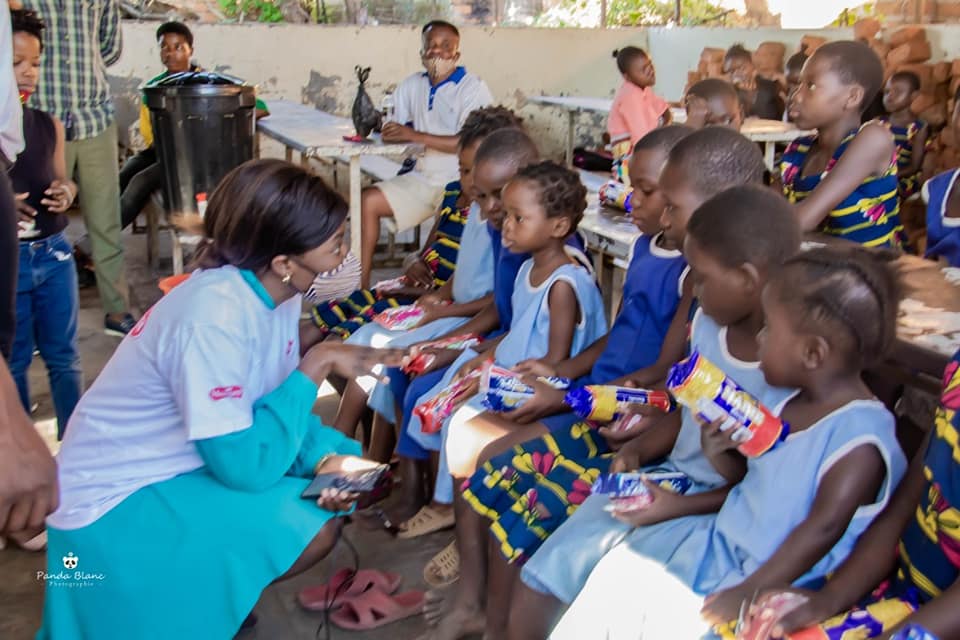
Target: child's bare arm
[[62, 191], [854, 480], [484, 322], [868, 155], [674, 344], [564, 312], [872, 559]]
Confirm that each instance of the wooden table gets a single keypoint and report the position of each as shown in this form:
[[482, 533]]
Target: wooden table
[[767, 132], [317, 134]]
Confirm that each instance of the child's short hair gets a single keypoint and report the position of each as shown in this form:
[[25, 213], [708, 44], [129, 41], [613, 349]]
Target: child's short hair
[[177, 28], [738, 52], [23, 21], [511, 146], [439, 24], [665, 138], [710, 88], [626, 56], [561, 191], [796, 61], [266, 208], [909, 77], [716, 158], [855, 63], [484, 121], [850, 289], [746, 224]]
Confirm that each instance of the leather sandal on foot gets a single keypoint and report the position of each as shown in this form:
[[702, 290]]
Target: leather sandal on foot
[[427, 520], [444, 568]]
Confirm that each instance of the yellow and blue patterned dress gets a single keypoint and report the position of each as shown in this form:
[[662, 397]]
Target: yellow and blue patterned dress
[[869, 216], [904, 138]]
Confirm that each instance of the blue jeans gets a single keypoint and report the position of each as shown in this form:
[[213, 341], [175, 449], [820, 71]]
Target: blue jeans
[[47, 305]]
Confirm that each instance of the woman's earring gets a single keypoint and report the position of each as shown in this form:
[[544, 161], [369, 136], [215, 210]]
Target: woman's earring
[[286, 279]]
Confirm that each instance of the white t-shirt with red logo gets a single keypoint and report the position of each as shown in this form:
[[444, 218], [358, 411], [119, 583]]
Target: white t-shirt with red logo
[[191, 369]]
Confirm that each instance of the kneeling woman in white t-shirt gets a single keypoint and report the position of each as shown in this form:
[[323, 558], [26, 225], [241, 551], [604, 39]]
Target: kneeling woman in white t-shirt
[[182, 466]]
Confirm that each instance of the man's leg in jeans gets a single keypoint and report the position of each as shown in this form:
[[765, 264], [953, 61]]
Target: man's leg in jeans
[[135, 165], [373, 207], [97, 177]]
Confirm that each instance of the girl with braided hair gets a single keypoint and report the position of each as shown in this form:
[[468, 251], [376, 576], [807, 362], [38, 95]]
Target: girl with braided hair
[[799, 508]]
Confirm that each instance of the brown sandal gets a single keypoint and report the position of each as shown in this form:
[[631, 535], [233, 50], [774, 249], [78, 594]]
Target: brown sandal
[[444, 568], [426, 521]]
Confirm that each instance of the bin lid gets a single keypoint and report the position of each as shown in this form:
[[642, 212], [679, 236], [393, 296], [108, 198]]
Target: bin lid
[[199, 84], [194, 78]]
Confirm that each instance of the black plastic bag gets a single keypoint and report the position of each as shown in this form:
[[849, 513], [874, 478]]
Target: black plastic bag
[[366, 118]]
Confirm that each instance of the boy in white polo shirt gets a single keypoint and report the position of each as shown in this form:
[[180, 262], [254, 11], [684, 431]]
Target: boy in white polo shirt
[[430, 109]]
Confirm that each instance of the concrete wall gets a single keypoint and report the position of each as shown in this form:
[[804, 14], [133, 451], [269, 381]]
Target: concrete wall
[[314, 65]]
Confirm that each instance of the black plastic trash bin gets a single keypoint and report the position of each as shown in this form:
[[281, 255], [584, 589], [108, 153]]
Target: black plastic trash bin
[[203, 126]]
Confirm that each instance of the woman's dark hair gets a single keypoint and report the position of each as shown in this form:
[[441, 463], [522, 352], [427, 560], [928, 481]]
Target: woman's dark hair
[[23, 21], [849, 292], [626, 56], [177, 28], [748, 224], [562, 193], [484, 121], [266, 208]]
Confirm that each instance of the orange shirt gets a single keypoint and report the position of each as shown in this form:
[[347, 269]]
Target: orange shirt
[[635, 113]]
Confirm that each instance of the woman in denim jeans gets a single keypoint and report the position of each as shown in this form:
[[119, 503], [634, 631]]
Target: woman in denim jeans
[[47, 297]]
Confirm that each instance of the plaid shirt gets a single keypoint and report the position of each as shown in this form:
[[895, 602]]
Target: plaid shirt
[[82, 38]]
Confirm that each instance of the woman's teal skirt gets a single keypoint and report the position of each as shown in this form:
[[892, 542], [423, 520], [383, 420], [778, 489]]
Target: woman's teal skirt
[[185, 558]]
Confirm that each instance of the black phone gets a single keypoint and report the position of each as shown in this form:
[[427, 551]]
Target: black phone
[[363, 481]]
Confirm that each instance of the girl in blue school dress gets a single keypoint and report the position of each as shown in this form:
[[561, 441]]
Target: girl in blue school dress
[[943, 209], [183, 465], [828, 313], [557, 308]]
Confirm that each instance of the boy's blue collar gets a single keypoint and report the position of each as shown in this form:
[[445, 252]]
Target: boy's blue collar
[[251, 279], [458, 74]]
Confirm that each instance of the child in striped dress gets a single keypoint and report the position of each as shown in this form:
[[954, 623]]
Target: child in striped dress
[[910, 134], [843, 179]]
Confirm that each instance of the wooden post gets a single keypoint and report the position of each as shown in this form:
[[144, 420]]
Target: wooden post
[[603, 14], [677, 13]]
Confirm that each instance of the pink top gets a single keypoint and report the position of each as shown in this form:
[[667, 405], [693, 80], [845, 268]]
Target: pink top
[[635, 112]]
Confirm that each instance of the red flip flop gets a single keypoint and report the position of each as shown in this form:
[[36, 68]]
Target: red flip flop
[[345, 586], [375, 609]]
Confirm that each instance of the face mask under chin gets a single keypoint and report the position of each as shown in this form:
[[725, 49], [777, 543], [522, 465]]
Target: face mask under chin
[[438, 67], [337, 283]]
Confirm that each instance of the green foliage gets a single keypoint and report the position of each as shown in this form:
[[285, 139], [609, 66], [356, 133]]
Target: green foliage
[[628, 13], [260, 10], [849, 16]]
